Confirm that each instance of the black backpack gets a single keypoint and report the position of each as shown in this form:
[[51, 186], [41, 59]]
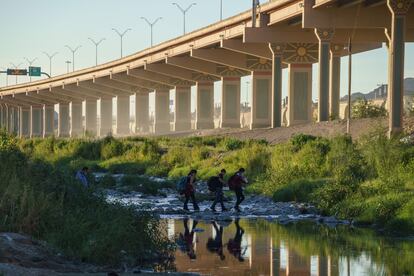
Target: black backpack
[[213, 183]]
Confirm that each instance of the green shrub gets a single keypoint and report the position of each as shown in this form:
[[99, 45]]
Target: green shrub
[[231, 144], [298, 190], [111, 148], [299, 140], [362, 108]]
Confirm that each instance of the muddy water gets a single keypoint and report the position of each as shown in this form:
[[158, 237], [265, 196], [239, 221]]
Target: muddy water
[[259, 247]]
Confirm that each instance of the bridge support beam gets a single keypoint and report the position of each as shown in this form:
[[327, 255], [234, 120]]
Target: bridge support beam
[[122, 115], [91, 117], [261, 99], [324, 37], [300, 94], [230, 102], [182, 108], [48, 120], [399, 9], [24, 122], [76, 121], [36, 126], [105, 125], [277, 58], [63, 120], [204, 105], [335, 82], [141, 112], [162, 111]]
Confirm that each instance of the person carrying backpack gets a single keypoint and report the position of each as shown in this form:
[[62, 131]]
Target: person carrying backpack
[[236, 184], [218, 183], [189, 191]]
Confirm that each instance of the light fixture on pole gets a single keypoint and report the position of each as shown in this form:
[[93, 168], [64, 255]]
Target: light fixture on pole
[[348, 121], [96, 48], [15, 67], [73, 55], [68, 62], [50, 61], [30, 62], [151, 24], [184, 11], [121, 36]]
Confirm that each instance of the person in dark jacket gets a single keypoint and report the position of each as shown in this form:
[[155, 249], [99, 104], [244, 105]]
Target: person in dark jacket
[[219, 192], [238, 181], [189, 192]]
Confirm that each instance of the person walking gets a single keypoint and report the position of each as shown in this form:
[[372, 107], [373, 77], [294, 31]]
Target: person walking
[[189, 191], [236, 183], [82, 177], [219, 184]]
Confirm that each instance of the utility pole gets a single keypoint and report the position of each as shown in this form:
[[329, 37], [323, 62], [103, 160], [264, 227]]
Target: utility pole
[[67, 65], [348, 122], [96, 48], [221, 10], [184, 11], [121, 36], [50, 61], [73, 55], [151, 24], [15, 67], [255, 5], [30, 62]]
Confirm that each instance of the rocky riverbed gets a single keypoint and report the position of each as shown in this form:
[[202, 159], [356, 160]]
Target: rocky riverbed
[[169, 204]]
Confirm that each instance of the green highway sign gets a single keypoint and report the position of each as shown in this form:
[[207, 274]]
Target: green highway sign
[[35, 71], [16, 72]]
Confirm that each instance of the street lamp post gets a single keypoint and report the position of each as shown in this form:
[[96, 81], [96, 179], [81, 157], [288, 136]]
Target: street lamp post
[[151, 24], [30, 62], [121, 36], [96, 48], [50, 61], [184, 11], [68, 62], [15, 67], [73, 55], [221, 10]]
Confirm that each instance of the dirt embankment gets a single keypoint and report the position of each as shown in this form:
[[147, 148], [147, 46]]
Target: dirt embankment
[[359, 128]]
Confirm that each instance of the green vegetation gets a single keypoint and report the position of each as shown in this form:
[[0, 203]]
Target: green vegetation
[[363, 108], [369, 181], [39, 197]]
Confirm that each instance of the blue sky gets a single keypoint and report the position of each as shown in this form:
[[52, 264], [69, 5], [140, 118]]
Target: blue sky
[[31, 27]]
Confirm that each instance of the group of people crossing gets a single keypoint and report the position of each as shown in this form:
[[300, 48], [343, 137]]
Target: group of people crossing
[[186, 187]]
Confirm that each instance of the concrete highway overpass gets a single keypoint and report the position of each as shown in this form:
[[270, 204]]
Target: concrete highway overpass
[[288, 34]]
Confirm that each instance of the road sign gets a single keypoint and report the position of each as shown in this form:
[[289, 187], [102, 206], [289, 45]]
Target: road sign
[[35, 71], [16, 72]]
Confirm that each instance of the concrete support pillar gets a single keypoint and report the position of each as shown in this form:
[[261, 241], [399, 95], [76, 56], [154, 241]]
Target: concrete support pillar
[[335, 81], [122, 115], [24, 122], [162, 111], [91, 119], [36, 125], [324, 36], [105, 125], [48, 120], [230, 102], [277, 58], [182, 108], [76, 120], [1, 116], [300, 94], [204, 105], [399, 9], [261, 99], [6, 117], [141, 112], [63, 120]]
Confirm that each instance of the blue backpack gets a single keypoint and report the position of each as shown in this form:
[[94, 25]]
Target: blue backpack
[[182, 184]]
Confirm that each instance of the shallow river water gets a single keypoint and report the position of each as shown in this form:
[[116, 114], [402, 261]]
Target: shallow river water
[[260, 247]]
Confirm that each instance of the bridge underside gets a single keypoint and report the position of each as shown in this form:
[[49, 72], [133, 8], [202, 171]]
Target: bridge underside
[[289, 35]]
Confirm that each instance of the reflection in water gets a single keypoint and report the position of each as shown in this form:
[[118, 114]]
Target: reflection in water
[[265, 248]]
